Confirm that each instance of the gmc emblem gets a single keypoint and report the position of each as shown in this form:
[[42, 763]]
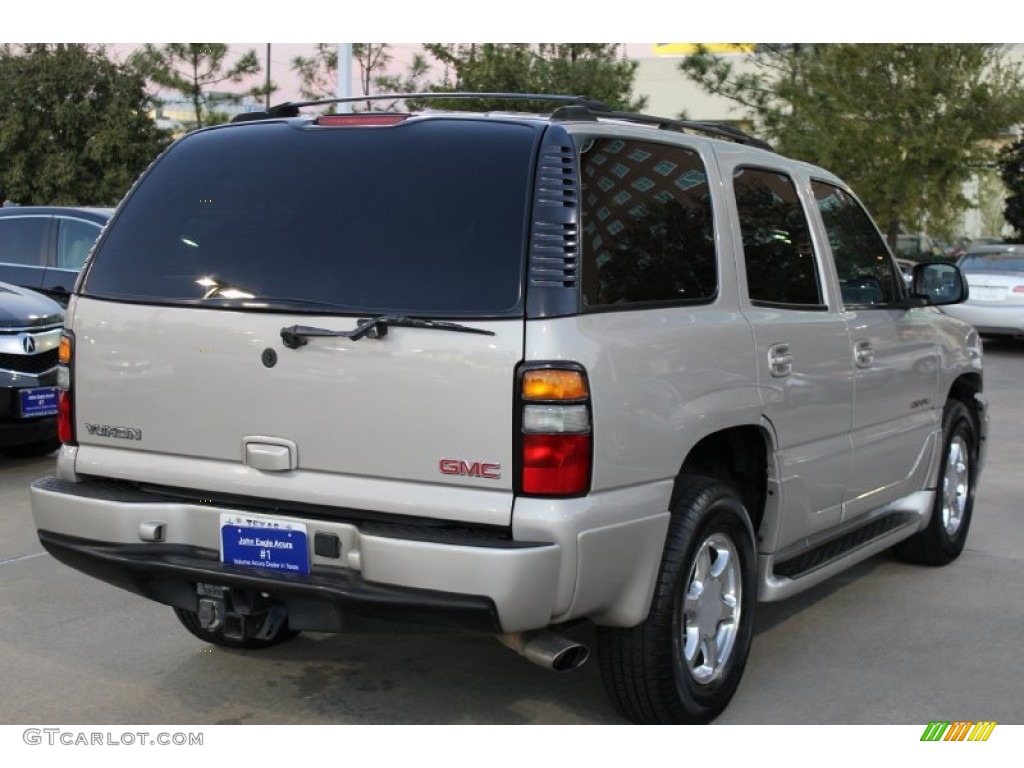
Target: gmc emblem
[[476, 469]]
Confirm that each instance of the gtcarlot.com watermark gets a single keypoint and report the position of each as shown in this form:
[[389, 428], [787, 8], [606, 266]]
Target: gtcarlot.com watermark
[[69, 738]]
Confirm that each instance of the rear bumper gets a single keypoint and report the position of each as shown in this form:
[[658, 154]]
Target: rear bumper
[[991, 320], [594, 557], [101, 528], [327, 600]]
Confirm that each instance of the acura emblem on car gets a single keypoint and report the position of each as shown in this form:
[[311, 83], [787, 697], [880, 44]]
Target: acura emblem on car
[[28, 343]]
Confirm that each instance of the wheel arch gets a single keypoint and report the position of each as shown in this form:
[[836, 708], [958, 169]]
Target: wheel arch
[[966, 388], [737, 456]]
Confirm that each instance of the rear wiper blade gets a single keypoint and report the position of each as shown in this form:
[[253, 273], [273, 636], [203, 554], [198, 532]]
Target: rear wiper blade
[[296, 336], [251, 301]]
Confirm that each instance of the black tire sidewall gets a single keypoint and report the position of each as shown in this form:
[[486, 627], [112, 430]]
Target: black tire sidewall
[[723, 513], [957, 421]]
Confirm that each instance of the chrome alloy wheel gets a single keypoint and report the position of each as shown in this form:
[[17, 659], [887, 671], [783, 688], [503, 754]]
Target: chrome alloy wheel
[[955, 485], [711, 609]]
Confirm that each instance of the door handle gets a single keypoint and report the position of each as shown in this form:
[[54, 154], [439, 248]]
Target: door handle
[[780, 360], [863, 353]]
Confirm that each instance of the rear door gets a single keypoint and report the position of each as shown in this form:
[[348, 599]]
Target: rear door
[[805, 370], [241, 233]]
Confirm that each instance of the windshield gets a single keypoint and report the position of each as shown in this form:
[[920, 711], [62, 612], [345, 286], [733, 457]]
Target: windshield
[[427, 217]]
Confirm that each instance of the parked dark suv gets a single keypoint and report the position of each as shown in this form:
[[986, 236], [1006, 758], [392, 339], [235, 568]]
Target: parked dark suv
[[44, 247], [30, 328], [506, 372]]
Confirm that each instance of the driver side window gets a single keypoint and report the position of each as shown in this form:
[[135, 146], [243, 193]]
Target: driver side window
[[867, 276]]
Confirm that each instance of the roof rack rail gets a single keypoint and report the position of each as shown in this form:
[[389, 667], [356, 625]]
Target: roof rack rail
[[291, 108], [575, 108], [583, 111]]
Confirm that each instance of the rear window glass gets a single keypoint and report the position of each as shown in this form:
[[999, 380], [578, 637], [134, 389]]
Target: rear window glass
[[423, 217]]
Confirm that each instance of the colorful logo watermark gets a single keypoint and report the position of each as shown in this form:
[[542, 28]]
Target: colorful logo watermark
[[958, 730]]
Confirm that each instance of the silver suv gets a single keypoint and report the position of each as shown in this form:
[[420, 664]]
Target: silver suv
[[505, 372]]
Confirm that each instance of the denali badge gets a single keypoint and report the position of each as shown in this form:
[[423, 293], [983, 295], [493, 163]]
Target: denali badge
[[476, 469], [121, 433]]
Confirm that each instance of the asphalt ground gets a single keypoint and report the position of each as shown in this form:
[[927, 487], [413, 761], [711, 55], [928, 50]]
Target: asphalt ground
[[883, 643]]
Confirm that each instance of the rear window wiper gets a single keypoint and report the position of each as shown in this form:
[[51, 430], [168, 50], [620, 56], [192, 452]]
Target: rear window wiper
[[296, 336]]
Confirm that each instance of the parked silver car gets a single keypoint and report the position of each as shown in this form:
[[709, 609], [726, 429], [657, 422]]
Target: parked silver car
[[995, 306]]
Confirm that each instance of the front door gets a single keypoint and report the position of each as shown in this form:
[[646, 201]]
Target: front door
[[895, 359]]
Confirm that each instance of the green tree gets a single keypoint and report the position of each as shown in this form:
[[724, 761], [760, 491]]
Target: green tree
[[904, 124], [195, 70], [318, 74], [75, 128], [596, 70], [1011, 170]]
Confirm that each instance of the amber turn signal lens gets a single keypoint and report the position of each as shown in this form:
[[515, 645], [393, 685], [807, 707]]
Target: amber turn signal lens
[[553, 384], [64, 353]]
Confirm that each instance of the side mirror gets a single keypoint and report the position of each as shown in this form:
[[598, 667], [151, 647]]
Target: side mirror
[[938, 284]]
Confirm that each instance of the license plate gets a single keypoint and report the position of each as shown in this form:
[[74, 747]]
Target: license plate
[[40, 401], [987, 294], [264, 542]]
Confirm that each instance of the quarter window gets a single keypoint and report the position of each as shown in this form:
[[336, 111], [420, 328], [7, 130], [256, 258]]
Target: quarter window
[[777, 251], [648, 232]]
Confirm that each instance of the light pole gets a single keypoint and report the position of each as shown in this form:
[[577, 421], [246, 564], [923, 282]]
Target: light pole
[[268, 77], [344, 76]]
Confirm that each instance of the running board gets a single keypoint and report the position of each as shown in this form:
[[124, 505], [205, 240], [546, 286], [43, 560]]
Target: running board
[[794, 574]]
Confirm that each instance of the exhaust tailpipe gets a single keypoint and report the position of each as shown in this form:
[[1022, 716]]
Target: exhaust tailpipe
[[547, 649]]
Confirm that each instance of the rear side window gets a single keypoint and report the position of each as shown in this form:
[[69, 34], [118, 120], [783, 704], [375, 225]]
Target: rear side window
[[648, 231], [422, 217], [777, 251], [21, 239]]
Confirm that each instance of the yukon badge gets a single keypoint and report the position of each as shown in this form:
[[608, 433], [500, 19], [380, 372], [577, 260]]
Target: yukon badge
[[121, 433], [476, 469]]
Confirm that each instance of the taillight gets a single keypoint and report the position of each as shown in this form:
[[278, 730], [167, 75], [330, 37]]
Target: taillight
[[65, 410], [1018, 289], [361, 119], [555, 440]]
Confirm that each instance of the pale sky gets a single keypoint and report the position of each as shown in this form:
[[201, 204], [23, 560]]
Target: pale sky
[[470, 20], [520, 20], [282, 54]]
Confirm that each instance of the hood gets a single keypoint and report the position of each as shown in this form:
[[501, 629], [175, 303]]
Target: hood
[[22, 308]]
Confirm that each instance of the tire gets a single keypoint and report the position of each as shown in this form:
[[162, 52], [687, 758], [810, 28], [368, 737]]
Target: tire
[[944, 538], [684, 662], [32, 450], [190, 620]]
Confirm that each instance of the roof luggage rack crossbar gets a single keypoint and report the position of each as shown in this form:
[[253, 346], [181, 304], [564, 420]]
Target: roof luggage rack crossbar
[[291, 108]]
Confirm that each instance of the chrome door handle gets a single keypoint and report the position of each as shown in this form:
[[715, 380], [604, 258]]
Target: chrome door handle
[[863, 353], [780, 360]]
